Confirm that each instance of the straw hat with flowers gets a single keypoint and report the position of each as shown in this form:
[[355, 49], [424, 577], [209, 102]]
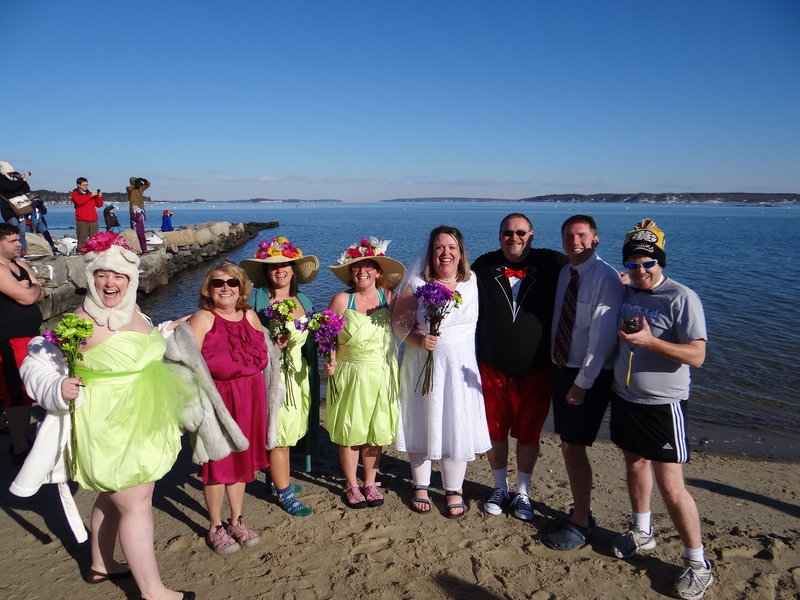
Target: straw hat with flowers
[[279, 250], [369, 249]]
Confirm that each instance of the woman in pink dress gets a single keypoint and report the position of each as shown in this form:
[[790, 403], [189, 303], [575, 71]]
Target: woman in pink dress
[[231, 339]]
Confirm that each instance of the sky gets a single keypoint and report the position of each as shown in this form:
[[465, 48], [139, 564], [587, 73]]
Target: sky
[[368, 100]]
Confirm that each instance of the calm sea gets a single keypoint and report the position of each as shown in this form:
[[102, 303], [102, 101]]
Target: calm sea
[[734, 257]]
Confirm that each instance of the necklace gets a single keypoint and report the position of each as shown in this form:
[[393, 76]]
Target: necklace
[[447, 280]]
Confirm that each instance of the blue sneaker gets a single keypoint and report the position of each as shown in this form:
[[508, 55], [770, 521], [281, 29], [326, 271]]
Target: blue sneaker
[[497, 502], [521, 508]]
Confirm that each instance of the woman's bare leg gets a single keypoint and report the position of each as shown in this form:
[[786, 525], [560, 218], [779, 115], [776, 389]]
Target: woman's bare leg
[[371, 459], [136, 539], [105, 525]]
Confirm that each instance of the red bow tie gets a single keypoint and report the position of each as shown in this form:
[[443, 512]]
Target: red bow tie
[[512, 273]]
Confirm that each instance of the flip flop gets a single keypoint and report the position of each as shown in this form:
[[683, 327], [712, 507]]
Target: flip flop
[[97, 577], [569, 536]]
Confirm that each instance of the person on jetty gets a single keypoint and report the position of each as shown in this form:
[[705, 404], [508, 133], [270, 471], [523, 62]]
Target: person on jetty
[[276, 270], [128, 407], [39, 224], [136, 190], [20, 295], [86, 204], [584, 338], [231, 340], [448, 423], [111, 219], [362, 391], [12, 184], [662, 334], [138, 226], [166, 221], [516, 286]]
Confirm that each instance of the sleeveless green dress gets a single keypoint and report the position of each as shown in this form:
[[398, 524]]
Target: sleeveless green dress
[[365, 409], [127, 424], [293, 419]]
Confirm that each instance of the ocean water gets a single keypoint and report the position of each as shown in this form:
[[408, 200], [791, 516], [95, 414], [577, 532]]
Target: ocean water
[[735, 257]]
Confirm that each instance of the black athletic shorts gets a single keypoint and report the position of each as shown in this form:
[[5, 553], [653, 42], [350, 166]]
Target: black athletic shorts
[[654, 431], [580, 424]]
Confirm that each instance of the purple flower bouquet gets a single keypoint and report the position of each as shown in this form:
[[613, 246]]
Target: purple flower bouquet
[[438, 301], [326, 327]]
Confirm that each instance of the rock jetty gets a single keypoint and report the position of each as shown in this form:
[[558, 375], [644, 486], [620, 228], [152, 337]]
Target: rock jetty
[[168, 253]]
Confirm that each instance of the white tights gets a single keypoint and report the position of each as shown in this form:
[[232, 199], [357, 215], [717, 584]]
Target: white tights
[[453, 471]]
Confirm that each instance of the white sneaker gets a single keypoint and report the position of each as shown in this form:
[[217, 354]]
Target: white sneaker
[[496, 502], [632, 542], [695, 581]]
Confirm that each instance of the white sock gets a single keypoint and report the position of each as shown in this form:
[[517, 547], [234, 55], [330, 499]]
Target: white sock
[[695, 554], [642, 521], [524, 483], [501, 479]]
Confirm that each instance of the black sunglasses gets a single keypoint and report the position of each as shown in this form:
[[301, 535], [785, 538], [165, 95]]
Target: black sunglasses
[[519, 232], [218, 283]]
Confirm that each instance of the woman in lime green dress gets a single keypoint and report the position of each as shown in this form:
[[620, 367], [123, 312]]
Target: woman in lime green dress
[[127, 427], [276, 270], [361, 406]]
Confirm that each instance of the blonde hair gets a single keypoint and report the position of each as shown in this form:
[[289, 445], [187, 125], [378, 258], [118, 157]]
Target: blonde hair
[[232, 270]]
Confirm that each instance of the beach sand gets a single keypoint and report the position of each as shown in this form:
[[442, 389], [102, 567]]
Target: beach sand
[[750, 511]]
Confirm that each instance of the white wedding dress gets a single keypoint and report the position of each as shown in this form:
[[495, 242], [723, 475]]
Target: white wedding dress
[[450, 421]]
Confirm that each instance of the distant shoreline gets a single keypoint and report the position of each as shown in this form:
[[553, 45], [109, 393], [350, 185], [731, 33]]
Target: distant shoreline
[[766, 200]]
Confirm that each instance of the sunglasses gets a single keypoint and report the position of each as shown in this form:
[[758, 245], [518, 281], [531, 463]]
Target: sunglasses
[[648, 264], [231, 283], [519, 233]]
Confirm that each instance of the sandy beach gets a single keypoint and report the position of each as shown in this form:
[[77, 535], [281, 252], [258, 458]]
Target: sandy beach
[[750, 511]]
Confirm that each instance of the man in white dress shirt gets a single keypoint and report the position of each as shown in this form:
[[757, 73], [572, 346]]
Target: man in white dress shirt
[[584, 337]]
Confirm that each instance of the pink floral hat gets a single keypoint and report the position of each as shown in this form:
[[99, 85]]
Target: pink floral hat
[[369, 249]]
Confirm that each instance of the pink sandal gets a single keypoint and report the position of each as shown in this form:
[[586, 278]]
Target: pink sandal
[[372, 495], [354, 498]]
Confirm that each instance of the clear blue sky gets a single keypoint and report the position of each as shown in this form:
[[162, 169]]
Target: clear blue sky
[[378, 99]]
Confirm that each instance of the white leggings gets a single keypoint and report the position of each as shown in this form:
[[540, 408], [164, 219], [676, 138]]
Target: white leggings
[[453, 471]]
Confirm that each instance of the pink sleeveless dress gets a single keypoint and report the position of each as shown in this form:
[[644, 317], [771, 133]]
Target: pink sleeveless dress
[[236, 355]]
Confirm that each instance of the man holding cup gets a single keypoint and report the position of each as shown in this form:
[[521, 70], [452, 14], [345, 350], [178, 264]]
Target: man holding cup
[[662, 334]]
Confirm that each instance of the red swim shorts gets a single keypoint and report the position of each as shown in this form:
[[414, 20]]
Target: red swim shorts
[[516, 405]]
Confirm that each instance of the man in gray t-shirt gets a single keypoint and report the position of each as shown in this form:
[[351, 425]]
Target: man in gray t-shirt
[[662, 334]]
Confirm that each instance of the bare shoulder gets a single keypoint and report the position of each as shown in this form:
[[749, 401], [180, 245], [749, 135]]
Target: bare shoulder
[[338, 303], [387, 293], [201, 320], [21, 264], [252, 318]]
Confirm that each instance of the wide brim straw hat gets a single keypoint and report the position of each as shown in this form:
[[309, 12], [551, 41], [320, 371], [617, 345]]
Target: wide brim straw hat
[[392, 270], [307, 266]]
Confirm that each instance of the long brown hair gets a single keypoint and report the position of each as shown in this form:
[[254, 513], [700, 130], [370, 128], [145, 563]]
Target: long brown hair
[[292, 285], [231, 270], [462, 273]]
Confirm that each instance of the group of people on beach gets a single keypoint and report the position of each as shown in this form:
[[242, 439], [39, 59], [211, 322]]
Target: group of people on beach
[[85, 202], [487, 348]]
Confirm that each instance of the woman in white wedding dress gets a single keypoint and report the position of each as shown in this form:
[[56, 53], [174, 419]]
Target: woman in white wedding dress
[[448, 423]]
